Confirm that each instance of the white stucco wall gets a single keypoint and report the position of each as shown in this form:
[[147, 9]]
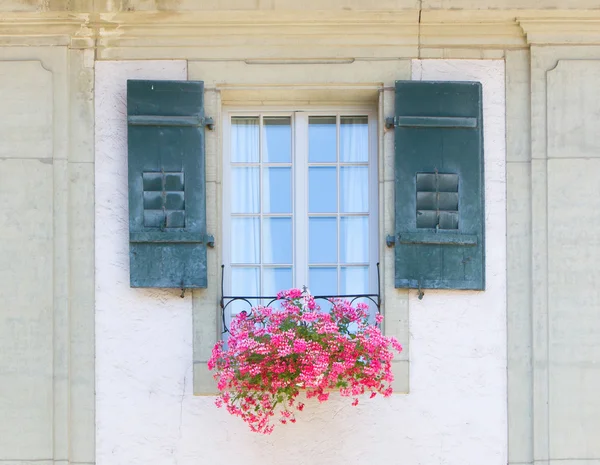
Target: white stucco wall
[[146, 414]]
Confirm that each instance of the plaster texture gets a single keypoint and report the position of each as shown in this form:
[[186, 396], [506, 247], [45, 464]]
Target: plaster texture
[[146, 413]]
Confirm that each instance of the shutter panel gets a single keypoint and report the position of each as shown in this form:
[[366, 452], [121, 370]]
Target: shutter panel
[[439, 204], [167, 206]]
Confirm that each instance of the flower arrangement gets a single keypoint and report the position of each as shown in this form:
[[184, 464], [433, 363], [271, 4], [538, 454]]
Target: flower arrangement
[[274, 354]]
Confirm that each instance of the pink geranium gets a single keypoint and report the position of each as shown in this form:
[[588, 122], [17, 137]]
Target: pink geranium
[[274, 354]]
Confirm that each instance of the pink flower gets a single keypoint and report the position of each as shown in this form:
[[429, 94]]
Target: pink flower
[[323, 396], [299, 345]]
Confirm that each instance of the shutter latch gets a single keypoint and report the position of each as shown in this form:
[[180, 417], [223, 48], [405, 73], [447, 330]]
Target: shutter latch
[[209, 123], [390, 240], [210, 240], [390, 123]]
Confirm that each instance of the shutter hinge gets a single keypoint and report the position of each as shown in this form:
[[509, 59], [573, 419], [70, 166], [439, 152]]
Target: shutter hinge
[[390, 240], [209, 123], [165, 120], [444, 122], [210, 240]]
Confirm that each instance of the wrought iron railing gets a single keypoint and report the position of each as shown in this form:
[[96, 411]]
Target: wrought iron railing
[[268, 301]]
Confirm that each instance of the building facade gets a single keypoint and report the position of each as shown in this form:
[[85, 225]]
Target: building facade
[[302, 184]]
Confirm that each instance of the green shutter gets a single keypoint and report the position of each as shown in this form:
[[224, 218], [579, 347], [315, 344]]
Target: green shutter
[[439, 191], [167, 205]]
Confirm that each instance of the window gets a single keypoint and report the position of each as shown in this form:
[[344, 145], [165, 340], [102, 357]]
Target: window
[[300, 203]]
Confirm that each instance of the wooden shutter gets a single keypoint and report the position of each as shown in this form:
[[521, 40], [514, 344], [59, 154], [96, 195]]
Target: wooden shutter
[[439, 204], [167, 206]]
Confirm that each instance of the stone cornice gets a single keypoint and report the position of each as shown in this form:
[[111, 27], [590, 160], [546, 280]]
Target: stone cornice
[[562, 28], [388, 33], [473, 29]]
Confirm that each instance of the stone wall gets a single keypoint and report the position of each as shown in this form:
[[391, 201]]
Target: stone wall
[[47, 266]]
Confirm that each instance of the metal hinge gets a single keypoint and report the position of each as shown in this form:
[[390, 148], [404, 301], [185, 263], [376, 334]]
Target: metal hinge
[[165, 120], [444, 122]]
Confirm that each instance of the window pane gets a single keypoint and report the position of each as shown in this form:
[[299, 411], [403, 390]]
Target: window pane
[[354, 280], [354, 239], [244, 190], [354, 195], [322, 146], [322, 190], [277, 240], [277, 139], [354, 139], [322, 281], [322, 240], [277, 190], [244, 282], [275, 280], [245, 240], [244, 139]]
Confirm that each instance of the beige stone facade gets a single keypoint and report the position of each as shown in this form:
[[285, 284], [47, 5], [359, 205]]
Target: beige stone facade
[[283, 52]]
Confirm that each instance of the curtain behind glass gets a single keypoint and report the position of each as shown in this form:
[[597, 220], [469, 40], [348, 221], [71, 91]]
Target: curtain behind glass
[[354, 198], [245, 199]]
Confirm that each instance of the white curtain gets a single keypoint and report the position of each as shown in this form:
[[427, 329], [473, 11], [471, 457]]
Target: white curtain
[[354, 139], [354, 198], [244, 139], [354, 188], [245, 199]]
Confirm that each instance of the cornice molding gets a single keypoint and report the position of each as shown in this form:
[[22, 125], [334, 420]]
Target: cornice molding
[[387, 33], [473, 29], [562, 28]]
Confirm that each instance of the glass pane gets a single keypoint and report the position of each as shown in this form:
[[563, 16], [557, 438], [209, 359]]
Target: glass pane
[[244, 139], [244, 190], [322, 136], [354, 139], [354, 280], [322, 240], [275, 280], [245, 240], [244, 282], [354, 239], [277, 139], [277, 190], [277, 240], [322, 281], [322, 190], [354, 195]]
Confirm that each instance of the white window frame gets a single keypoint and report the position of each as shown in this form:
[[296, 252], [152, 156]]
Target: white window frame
[[299, 121]]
